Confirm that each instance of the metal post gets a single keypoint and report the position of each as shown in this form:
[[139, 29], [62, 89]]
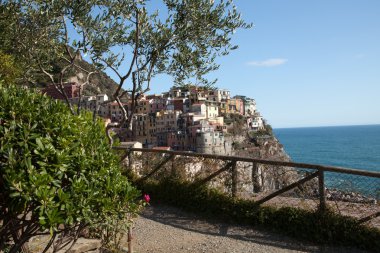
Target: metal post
[[322, 192]]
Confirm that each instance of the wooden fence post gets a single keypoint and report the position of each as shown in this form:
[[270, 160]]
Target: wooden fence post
[[173, 171], [256, 178], [130, 160], [234, 179], [130, 238], [322, 192]]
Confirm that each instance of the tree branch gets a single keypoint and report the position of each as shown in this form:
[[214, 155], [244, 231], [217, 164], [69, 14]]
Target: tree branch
[[133, 58], [66, 38], [50, 242], [108, 132], [125, 115], [62, 88], [81, 87]]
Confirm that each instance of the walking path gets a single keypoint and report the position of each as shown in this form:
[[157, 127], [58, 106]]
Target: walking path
[[166, 229]]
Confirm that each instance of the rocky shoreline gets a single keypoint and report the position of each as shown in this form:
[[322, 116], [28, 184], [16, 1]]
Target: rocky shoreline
[[354, 197]]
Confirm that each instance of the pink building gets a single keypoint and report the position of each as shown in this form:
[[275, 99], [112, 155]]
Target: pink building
[[157, 104]]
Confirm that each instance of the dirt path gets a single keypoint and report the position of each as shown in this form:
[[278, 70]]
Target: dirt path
[[167, 229]]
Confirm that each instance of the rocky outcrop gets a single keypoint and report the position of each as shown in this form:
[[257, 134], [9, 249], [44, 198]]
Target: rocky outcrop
[[84, 245], [347, 196], [258, 178]]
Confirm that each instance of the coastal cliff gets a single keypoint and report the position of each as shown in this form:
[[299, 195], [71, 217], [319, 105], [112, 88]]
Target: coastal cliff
[[263, 144]]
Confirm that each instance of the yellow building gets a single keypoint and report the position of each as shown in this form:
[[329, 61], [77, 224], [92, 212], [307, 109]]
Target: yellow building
[[235, 105]]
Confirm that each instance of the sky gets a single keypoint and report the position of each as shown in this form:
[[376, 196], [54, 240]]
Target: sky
[[307, 63]]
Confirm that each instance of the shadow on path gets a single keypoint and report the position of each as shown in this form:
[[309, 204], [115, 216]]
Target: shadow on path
[[187, 221]]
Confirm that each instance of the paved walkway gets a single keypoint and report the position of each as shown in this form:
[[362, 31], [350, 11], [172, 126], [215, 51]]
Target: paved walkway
[[168, 229]]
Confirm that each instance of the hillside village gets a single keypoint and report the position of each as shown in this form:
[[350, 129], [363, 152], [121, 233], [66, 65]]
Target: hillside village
[[188, 118]]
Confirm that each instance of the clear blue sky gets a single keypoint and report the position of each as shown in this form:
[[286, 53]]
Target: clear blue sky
[[307, 63]]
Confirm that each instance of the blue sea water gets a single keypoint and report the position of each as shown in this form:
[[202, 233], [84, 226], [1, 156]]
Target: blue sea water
[[356, 147]]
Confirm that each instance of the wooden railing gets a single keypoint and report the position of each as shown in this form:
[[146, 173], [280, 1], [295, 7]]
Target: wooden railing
[[317, 171], [231, 164]]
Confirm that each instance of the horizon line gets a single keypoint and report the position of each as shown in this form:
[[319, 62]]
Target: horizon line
[[350, 125]]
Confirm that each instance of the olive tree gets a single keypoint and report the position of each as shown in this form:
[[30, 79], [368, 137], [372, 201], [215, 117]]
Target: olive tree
[[9, 71], [136, 39]]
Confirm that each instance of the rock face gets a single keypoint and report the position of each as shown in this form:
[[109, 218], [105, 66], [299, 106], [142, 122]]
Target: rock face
[[252, 178], [257, 178], [85, 245]]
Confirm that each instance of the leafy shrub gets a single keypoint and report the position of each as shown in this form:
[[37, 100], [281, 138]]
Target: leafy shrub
[[318, 227], [58, 174]]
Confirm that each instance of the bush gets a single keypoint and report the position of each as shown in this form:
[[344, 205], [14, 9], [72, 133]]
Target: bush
[[317, 227], [58, 174]]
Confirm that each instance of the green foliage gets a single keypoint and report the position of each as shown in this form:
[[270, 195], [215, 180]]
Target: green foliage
[[267, 131], [182, 39], [322, 228], [56, 168], [128, 37], [234, 118], [237, 124], [9, 72]]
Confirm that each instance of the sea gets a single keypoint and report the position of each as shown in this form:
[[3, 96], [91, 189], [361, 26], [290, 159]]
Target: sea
[[355, 147]]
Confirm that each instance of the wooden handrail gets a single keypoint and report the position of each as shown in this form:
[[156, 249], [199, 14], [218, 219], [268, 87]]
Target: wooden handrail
[[261, 161], [231, 163]]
